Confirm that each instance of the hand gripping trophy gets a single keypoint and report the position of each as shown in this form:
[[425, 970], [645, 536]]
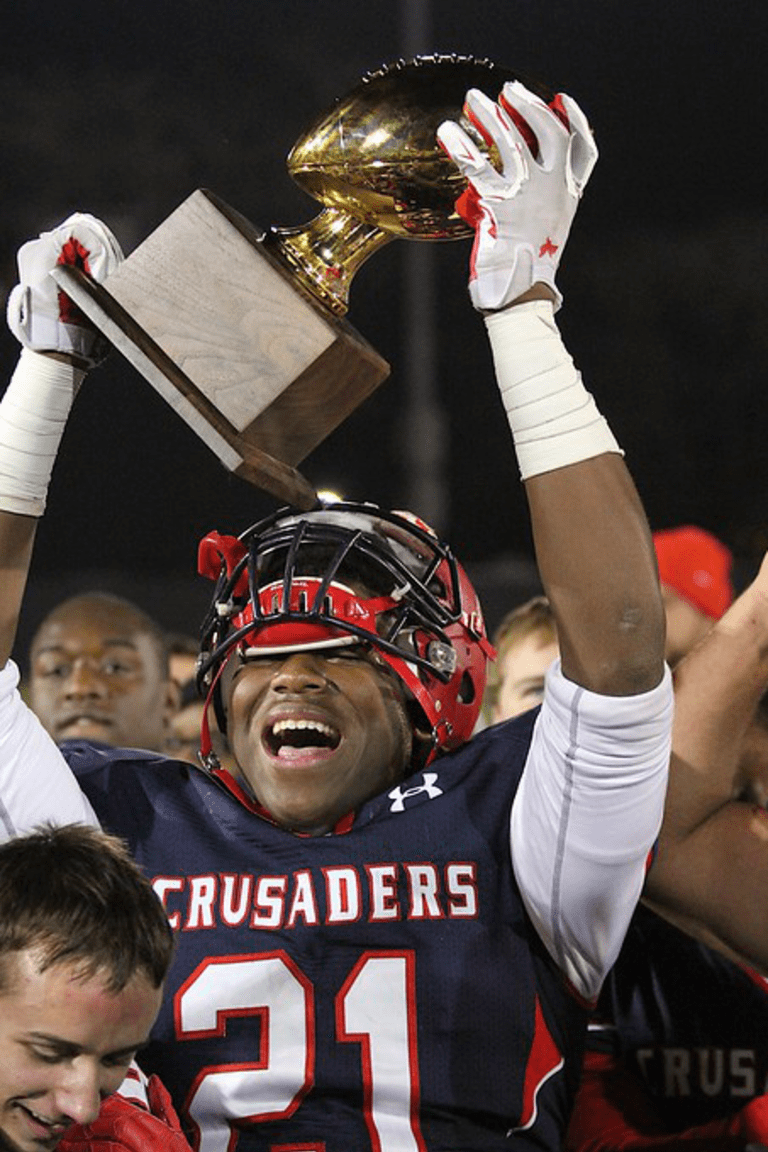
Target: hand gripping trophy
[[242, 330]]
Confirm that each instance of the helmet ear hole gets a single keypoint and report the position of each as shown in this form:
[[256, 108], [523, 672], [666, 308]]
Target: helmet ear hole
[[466, 693]]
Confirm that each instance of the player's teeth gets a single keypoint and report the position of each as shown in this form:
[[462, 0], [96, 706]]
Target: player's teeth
[[301, 725], [42, 1119]]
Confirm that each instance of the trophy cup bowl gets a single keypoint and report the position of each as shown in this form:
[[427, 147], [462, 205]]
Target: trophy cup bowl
[[374, 162]]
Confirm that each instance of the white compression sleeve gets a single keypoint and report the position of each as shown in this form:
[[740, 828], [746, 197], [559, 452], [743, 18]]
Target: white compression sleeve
[[33, 413], [36, 783], [554, 420], [585, 817]]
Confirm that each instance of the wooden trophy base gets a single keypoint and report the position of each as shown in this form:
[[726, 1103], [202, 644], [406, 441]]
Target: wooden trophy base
[[257, 368]]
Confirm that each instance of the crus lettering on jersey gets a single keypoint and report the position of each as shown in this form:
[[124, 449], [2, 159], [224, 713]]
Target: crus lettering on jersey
[[733, 1073], [374, 893]]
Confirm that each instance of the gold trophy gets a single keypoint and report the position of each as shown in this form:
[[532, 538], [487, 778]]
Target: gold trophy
[[242, 331]]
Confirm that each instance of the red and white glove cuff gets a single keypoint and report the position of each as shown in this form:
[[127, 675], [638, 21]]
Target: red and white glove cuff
[[44, 332], [554, 420], [40, 315], [33, 413]]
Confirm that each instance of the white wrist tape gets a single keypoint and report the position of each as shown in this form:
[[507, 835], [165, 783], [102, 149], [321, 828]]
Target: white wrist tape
[[554, 420], [33, 413]]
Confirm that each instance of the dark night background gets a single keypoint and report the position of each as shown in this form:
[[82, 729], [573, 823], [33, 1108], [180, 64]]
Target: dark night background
[[124, 109]]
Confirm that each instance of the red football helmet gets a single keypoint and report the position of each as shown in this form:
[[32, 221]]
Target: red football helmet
[[345, 574]]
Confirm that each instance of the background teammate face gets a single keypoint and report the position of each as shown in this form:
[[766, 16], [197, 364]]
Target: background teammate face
[[521, 675], [65, 1044], [96, 675], [316, 734]]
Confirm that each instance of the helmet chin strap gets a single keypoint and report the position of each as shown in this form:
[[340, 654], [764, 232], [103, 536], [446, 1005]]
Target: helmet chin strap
[[208, 758]]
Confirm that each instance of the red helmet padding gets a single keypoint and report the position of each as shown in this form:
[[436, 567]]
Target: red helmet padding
[[215, 550], [336, 601]]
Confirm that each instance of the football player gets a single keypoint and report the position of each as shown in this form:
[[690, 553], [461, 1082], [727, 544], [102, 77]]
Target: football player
[[684, 1062], [389, 935], [713, 851], [675, 1052], [84, 951], [526, 645], [98, 671]]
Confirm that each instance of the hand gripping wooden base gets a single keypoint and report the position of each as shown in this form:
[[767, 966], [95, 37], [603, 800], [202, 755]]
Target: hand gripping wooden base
[[256, 367]]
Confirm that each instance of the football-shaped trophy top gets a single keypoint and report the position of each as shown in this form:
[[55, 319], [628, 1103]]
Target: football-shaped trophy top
[[375, 154], [374, 162]]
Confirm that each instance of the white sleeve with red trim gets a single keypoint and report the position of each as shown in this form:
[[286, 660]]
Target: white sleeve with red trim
[[134, 1087], [585, 817], [36, 784]]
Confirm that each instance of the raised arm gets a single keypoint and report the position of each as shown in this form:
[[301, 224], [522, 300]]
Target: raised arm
[[17, 537], [710, 875], [589, 803], [593, 546], [58, 347]]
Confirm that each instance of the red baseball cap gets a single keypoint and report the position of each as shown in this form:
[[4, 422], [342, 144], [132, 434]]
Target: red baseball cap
[[697, 566]]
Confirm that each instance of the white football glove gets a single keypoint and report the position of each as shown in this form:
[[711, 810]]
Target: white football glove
[[523, 214], [40, 315]]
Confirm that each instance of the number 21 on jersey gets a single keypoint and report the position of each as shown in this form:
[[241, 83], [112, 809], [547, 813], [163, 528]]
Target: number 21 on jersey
[[375, 1008]]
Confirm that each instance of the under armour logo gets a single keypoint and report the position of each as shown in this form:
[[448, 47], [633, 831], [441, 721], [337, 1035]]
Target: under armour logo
[[548, 248], [398, 796]]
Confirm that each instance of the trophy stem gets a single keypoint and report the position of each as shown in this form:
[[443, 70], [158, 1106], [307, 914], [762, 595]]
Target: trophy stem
[[326, 253]]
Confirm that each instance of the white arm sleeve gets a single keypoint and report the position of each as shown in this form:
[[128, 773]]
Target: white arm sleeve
[[36, 784], [585, 817], [134, 1087]]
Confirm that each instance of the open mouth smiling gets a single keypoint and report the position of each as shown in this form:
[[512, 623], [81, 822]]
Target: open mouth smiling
[[296, 740], [53, 1128]]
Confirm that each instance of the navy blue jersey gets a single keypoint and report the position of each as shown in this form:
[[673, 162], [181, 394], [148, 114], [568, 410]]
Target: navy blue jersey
[[381, 988], [690, 1023]]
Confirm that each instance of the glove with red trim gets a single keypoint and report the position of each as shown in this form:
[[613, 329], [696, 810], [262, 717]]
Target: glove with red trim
[[40, 315], [123, 1126], [521, 215]]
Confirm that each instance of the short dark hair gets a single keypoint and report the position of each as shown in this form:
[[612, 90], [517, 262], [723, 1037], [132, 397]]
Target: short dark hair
[[75, 896], [144, 623], [182, 644]]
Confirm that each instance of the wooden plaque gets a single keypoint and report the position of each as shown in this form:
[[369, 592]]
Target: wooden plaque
[[253, 363]]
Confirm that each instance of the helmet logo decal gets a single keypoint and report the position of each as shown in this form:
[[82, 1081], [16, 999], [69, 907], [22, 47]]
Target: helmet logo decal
[[398, 795]]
